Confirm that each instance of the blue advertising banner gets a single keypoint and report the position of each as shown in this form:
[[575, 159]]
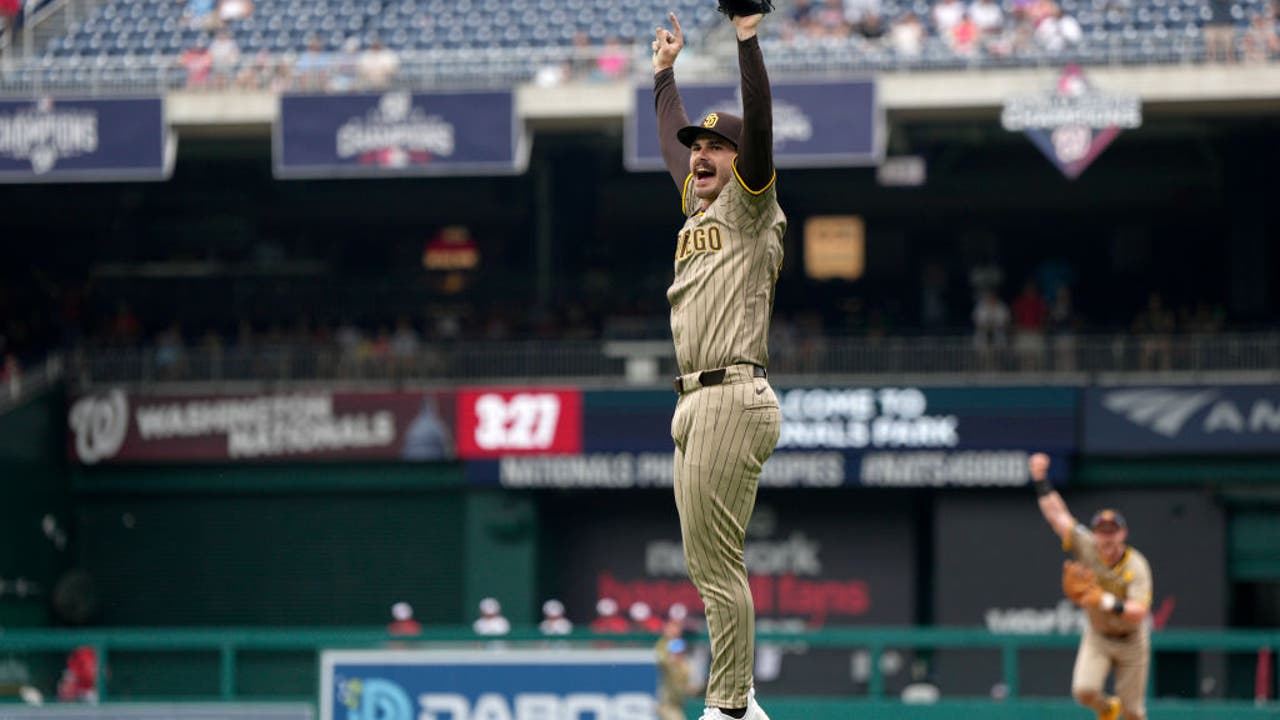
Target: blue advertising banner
[[161, 711], [818, 124], [84, 140], [1182, 419], [466, 684], [881, 436], [398, 133]]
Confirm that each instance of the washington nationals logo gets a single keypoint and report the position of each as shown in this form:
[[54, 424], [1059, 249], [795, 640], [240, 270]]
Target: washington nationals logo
[[100, 424]]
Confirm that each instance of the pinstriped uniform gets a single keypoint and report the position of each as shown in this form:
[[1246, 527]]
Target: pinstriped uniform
[[1107, 640], [727, 262], [726, 423]]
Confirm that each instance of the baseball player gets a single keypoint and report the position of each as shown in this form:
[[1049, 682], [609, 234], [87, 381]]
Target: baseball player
[[726, 421], [1112, 582]]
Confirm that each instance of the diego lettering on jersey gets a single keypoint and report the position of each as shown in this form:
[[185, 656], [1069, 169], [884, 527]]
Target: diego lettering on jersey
[[698, 240]]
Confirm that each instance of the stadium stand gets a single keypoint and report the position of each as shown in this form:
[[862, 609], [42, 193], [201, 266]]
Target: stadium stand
[[132, 44]]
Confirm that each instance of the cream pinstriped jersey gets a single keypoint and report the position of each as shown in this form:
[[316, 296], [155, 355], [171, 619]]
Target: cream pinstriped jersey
[[726, 265], [1130, 579]]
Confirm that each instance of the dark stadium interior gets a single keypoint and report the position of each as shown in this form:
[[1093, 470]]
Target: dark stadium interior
[[1171, 207]]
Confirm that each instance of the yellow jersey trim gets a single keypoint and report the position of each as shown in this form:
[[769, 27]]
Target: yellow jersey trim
[[773, 178], [684, 193]]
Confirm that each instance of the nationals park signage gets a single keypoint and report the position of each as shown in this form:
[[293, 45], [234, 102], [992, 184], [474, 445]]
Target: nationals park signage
[[564, 437]]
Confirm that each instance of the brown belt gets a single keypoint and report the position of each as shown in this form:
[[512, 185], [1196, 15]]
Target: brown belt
[[1118, 636], [707, 378]]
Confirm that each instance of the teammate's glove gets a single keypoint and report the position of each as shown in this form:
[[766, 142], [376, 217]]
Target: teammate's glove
[[734, 8], [1080, 585]]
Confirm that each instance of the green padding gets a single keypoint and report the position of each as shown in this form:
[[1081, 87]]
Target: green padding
[[1254, 545], [851, 709]]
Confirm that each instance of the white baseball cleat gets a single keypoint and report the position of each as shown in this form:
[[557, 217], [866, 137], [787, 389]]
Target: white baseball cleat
[[754, 711]]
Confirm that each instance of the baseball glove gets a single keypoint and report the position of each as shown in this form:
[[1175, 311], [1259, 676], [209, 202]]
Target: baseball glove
[[1080, 585], [734, 8]]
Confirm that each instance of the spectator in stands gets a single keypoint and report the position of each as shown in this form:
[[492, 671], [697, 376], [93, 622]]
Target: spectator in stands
[[233, 11], [171, 355], [1058, 31], [1154, 327], [378, 65], [1220, 32], [346, 66], [988, 18], [946, 15], [224, 58], [402, 623], [963, 37], [907, 36], [829, 19], [1030, 316], [990, 326], [553, 620], [607, 618], [1063, 324], [311, 71], [200, 14], [643, 619], [79, 681], [11, 375], [198, 62], [405, 345], [125, 327], [611, 62], [491, 621], [871, 27], [1260, 42], [10, 11]]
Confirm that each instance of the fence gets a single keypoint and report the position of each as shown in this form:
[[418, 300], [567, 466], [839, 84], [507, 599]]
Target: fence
[[232, 646], [1063, 359]]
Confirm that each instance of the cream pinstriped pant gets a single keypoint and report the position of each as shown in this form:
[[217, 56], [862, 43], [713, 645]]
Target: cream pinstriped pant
[[723, 435]]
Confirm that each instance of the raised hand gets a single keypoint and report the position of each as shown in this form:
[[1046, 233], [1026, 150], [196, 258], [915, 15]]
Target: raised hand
[[667, 45]]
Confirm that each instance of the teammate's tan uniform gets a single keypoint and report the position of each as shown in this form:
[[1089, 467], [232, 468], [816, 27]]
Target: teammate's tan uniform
[[727, 420], [1108, 640]]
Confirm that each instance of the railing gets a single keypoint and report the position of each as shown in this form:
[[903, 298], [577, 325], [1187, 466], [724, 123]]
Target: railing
[[19, 383], [230, 644], [1070, 359], [143, 72]]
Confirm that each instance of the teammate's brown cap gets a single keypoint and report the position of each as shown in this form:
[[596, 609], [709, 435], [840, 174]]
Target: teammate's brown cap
[[1108, 516], [723, 124]]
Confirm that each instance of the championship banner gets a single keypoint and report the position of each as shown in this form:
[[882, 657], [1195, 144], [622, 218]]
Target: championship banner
[[1073, 122], [398, 134], [831, 437], [115, 426], [822, 125], [81, 140], [1182, 419], [480, 684]]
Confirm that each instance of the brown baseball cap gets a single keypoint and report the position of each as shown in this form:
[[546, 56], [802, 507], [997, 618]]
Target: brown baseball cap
[[1110, 517], [723, 124]]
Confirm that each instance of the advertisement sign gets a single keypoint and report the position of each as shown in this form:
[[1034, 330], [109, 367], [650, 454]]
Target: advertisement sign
[[114, 425], [870, 436], [481, 685], [1182, 419], [828, 124], [494, 422], [161, 711], [998, 565], [398, 134], [82, 140], [811, 563], [1073, 122]]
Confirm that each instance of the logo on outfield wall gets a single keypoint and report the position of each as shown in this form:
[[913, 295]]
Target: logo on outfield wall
[[43, 134], [1074, 122]]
